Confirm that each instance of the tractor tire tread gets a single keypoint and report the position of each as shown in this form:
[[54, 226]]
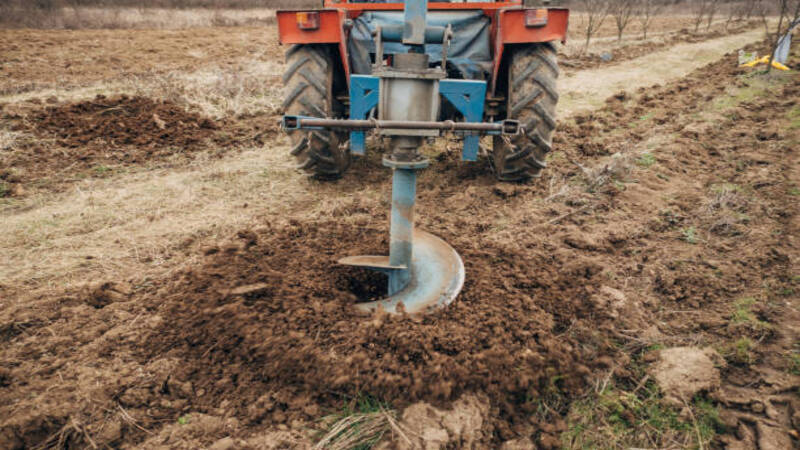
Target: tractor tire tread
[[532, 98], [309, 92]]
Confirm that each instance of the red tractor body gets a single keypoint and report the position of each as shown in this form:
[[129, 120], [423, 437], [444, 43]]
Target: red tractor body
[[511, 23]]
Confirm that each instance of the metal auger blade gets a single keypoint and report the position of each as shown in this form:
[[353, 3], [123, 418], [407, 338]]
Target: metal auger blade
[[436, 276]]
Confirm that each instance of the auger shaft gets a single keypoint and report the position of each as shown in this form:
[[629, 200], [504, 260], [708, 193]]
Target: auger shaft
[[401, 231], [423, 271]]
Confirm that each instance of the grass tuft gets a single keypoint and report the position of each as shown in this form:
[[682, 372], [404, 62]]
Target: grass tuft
[[361, 424], [646, 160], [739, 351], [690, 235], [614, 418], [794, 363], [743, 315], [794, 118]]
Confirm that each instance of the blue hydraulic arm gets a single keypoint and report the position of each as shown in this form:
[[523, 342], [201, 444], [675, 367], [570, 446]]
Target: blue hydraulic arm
[[363, 97], [468, 97]]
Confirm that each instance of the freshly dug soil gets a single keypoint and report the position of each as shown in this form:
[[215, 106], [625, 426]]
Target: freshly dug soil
[[149, 125], [296, 335], [90, 138]]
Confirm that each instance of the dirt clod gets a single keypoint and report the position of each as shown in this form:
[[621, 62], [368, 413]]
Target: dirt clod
[[770, 437], [681, 372], [226, 443], [460, 426], [106, 293], [518, 444]]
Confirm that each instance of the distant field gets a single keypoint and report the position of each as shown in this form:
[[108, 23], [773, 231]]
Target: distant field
[[141, 14]]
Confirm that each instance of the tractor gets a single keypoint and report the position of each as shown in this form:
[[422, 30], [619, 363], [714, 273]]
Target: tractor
[[409, 73]]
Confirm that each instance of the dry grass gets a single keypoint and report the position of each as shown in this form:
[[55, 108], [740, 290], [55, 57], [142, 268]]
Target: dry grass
[[252, 87], [588, 89], [7, 139], [726, 210], [357, 431], [218, 92], [108, 226], [363, 423]]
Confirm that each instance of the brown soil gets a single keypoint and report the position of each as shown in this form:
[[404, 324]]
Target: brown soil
[[633, 51], [260, 335], [122, 122], [36, 59], [89, 138]]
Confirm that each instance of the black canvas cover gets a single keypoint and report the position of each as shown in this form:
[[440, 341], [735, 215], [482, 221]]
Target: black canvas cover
[[469, 57]]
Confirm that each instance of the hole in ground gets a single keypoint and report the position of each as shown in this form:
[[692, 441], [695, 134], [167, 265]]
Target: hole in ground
[[366, 285]]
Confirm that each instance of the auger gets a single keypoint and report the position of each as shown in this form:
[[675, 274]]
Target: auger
[[399, 98]]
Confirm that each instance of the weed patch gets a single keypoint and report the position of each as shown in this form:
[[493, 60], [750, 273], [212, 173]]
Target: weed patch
[[739, 352], [614, 418], [744, 316], [646, 160], [689, 235], [360, 425]]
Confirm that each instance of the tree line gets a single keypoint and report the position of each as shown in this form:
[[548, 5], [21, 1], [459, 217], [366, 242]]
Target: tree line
[[702, 12]]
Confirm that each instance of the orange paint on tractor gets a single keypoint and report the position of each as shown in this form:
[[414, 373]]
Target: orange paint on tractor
[[514, 30], [329, 31]]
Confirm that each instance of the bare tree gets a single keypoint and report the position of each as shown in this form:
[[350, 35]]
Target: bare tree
[[750, 8], [789, 16], [622, 11], [649, 9], [736, 12], [699, 8], [596, 12], [704, 9], [711, 10], [761, 9]]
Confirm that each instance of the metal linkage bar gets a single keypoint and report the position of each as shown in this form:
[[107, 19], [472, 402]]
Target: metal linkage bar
[[507, 127]]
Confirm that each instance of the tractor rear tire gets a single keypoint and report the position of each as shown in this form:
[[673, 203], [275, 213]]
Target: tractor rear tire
[[532, 98], [309, 82]]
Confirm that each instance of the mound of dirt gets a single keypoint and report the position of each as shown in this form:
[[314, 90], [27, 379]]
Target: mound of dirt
[[295, 345], [69, 142], [124, 121]]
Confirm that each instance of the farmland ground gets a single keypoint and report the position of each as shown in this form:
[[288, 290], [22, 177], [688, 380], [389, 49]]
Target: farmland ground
[[168, 279]]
